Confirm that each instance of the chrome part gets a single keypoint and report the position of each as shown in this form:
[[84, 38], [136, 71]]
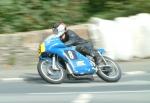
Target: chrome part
[[102, 57], [69, 69], [54, 65], [91, 61], [107, 66]]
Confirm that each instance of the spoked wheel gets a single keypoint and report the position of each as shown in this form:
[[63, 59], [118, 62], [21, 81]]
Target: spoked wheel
[[109, 70], [49, 74]]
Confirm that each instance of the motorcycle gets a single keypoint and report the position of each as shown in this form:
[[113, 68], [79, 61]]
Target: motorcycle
[[58, 61]]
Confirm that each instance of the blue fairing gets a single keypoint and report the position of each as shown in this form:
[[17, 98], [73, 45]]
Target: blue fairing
[[54, 45], [78, 63]]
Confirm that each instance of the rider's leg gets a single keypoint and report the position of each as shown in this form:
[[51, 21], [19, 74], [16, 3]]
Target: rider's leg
[[84, 49], [92, 52], [87, 49]]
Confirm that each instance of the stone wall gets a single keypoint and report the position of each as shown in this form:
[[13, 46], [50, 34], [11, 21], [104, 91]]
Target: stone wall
[[21, 49], [124, 38]]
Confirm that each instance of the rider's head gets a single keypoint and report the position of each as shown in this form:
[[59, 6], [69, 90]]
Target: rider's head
[[59, 29]]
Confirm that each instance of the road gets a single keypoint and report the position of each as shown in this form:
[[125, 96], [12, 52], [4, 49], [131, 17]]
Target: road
[[25, 86]]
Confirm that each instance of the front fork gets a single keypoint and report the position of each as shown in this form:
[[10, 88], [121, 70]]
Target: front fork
[[54, 62], [102, 57], [106, 65]]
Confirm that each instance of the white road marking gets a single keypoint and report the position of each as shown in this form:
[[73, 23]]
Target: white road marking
[[135, 72], [12, 79], [101, 92], [83, 98]]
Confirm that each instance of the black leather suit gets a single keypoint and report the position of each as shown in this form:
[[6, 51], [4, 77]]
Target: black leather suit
[[83, 46]]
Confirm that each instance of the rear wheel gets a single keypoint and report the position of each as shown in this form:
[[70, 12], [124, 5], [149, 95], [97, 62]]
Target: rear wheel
[[50, 74], [109, 70]]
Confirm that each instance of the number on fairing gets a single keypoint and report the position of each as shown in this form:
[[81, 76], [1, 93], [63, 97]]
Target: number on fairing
[[71, 55]]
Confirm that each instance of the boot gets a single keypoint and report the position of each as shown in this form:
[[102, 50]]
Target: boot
[[93, 54], [96, 58]]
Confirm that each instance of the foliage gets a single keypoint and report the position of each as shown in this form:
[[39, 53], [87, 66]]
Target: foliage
[[26, 15]]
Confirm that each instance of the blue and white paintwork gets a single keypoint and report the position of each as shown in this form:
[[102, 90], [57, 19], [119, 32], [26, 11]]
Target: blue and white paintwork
[[77, 62]]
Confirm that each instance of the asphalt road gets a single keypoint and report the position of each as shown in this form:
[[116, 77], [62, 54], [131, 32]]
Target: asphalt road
[[25, 86]]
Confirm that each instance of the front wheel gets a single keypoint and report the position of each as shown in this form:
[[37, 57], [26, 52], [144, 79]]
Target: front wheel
[[109, 70], [49, 74]]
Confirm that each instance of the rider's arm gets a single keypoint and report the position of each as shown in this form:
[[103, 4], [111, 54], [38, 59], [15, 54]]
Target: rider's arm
[[70, 42], [72, 39]]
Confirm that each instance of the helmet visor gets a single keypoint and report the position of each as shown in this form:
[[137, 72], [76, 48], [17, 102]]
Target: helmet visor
[[60, 30]]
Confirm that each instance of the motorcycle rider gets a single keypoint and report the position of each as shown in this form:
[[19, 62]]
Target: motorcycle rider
[[70, 38]]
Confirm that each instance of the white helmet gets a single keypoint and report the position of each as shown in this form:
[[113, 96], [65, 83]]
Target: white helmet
[[59, 29]]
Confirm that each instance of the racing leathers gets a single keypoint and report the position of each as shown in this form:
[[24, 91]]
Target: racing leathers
[[83, 46]]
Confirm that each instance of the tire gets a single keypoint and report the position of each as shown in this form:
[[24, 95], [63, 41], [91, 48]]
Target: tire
[[46, 73], [105, 75]]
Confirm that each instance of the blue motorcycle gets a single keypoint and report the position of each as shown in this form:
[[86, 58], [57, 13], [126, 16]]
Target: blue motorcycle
[[58, 61]]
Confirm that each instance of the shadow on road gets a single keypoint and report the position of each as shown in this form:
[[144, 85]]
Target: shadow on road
[[35, 78]]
